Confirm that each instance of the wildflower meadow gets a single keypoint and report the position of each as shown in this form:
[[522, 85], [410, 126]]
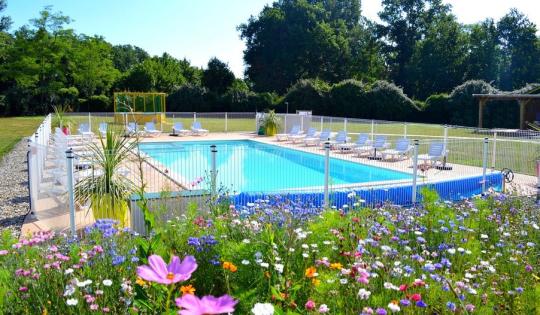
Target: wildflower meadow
[[279, 256]]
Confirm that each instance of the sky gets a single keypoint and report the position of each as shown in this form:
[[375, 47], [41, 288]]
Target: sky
[[201, 29]]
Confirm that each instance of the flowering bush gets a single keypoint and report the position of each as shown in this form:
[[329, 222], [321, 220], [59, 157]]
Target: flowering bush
[[285, 257]]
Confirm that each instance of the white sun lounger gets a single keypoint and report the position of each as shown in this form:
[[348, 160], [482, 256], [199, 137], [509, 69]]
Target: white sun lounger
[[85, 132], [178, 130], [325, 135], [436, 153], [401, 151], [150, 129], [295, 130], [362, 140], [298, 138], [379, 144], [341, 138], [132, 129], [103, 129], [197, 129]]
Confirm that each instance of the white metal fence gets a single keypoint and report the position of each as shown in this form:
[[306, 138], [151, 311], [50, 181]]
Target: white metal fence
[[36, 157], [472, 161]]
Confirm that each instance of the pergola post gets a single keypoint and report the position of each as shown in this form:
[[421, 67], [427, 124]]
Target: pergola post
[[522, 104], [481, 103]]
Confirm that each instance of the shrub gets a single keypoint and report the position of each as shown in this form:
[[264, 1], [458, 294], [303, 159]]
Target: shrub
[[188, 98], [437, 109], [96, 103], [389, 102], [311, 94], [348, 99], [463, 107]]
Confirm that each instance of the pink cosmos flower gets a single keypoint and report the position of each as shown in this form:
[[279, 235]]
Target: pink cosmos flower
[[158, 271], [207, 305], [3, 252]]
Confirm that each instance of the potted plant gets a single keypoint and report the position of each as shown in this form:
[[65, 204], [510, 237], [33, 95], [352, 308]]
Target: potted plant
[[270, 122], [107, 191], [60, 119]]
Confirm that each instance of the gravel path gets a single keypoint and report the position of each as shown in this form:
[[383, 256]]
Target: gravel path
[[14, 196]]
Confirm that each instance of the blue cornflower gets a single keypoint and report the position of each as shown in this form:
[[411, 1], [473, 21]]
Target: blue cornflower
[[117, 260], [451, 306], [421, 304], [194, 241], [405, 302], [408, 269], [429, 268]]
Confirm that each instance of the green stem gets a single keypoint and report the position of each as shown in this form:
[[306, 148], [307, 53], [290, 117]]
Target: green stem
[[227, 283], [171, 288]]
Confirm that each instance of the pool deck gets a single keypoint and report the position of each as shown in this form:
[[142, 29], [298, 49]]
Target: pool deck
[[51, 212]]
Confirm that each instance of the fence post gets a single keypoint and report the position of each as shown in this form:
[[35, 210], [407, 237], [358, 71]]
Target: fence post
[[89, 122], [538, 182], [345, 124], [194, 116], [32, 180], [494, 150], [415, 170], [445, 137], [71, 193], [302, 122], [326, 173], [285, 125], [226, 122], [484, 165], [322, 123], [404, 130], [372, 129], [213, 172]]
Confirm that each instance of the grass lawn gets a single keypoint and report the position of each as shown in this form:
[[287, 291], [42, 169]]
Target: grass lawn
[[13, 129]]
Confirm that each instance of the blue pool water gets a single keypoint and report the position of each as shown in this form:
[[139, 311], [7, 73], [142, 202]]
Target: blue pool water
[[250, 166]]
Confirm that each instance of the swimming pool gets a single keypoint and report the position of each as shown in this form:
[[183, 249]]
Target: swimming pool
[[251, 166]]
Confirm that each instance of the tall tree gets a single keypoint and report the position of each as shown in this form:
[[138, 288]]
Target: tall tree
[[5, 21], [37, 61], [438, 61], [484, 53], [294, 39], [126, 56], [94, 72], [405, 22], [520, 50], [217, 77], [163, 74]]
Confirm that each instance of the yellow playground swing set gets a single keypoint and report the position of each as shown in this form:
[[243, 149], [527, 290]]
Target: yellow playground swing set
[[139, 107]]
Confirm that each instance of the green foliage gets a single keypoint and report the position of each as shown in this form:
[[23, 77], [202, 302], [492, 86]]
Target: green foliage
[[389, 102], [308, 94], [107, 191], [96, 103], [270, 122], [349, 99], [125, 57], [293, 40], [217, 76], [484, 56], [464, 108], [520, 50], [188, 98], [437, 109]]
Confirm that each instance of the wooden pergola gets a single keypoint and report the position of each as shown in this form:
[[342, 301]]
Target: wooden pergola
[[522, 99]]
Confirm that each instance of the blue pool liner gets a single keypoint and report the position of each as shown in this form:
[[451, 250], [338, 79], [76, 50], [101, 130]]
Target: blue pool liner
[[451, 190]]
